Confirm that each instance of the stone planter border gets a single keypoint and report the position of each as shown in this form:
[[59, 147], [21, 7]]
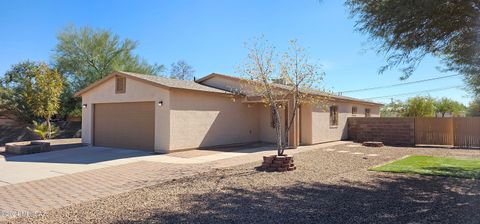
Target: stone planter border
[[278, 163], [20, 148]]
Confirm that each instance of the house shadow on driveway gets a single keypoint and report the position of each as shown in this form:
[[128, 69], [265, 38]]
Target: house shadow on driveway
[[91, 155], [80, 155], [240, 148], [387, 199]]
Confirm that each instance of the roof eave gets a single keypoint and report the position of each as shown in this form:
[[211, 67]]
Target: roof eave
[[211, 75], [106, 78]]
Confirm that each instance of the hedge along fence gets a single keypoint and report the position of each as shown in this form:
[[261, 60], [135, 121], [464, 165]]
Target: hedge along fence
[[459, 131]]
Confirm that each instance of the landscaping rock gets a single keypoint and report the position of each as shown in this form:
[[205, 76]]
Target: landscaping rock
[[373, 144]]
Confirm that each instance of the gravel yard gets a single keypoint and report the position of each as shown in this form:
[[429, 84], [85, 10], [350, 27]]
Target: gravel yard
[[330, 185]]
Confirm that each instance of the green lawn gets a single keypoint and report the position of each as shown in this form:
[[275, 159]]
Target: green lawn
[[439, 166]]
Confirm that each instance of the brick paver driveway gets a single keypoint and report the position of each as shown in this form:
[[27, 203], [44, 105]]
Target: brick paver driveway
[[100, 172], [32, 197]]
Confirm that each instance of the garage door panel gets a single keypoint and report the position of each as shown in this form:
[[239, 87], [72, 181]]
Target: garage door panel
[[125, 125]]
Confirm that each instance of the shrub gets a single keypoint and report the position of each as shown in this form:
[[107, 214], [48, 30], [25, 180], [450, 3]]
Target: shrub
[[75, 113], [41, 130]]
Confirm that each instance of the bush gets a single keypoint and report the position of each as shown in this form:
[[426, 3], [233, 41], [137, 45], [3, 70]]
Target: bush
[[77, 112], [41, 130]]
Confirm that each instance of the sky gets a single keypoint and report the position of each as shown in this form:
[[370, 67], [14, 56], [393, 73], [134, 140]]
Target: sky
[[211, 36]]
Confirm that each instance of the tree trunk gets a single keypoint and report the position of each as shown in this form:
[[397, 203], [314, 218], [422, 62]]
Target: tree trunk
[[278, 131], [49, 127]]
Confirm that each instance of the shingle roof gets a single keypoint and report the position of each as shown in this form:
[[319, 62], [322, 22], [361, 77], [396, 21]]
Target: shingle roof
[[175, 83], [286, 87], [157, 80], [322, 93], [196, 85]]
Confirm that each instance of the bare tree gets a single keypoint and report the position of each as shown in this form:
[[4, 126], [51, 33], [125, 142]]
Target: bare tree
[[303, 80], [181, 70], [263, 71]]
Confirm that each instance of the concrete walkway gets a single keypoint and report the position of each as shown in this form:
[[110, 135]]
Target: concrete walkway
[[18, 169], [84, 179]]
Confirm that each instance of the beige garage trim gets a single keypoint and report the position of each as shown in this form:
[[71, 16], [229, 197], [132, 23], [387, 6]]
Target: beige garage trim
[[124, 125]]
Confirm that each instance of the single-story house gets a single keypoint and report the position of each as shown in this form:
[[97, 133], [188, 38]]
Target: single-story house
[[128, 110]]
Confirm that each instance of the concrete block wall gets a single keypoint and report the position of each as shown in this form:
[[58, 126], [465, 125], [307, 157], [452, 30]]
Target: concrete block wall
[[390, 131]]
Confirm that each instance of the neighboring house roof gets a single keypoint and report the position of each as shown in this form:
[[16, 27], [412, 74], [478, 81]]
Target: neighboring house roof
[[157, 81], [313, 92]]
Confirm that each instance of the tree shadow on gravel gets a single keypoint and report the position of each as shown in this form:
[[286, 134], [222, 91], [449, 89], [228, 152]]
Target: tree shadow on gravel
[[454, 172], [393, 199]]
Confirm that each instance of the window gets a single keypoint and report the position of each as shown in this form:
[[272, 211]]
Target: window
[[367, 112], [354, 110], [120, 84], [333, 116]]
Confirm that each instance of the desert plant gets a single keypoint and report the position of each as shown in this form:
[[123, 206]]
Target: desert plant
[[42, 130], [298, 75]]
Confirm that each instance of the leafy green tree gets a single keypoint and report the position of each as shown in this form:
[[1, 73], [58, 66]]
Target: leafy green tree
[[446, 105], [407, 31], [16, 87], [85, 55], [181, 70], [44, 93], [474, 108], [396, 108], [32, 90], [420, 107]]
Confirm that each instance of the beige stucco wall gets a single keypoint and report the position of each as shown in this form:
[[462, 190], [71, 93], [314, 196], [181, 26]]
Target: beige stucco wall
[[267, 132], [207, 119], [315, 126], [136, 91], [315, 123]]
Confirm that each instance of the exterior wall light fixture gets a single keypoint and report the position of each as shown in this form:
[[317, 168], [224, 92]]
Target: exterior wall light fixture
[[84, 105], [160, 103]]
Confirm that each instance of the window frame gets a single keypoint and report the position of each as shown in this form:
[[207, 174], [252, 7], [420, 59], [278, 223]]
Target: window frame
[[123, 81], [334, 118], [354, 111]]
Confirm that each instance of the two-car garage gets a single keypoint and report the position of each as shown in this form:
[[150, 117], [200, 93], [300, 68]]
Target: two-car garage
[[124, 125]]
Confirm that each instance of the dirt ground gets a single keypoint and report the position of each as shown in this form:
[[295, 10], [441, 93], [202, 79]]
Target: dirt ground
[[330, 185]]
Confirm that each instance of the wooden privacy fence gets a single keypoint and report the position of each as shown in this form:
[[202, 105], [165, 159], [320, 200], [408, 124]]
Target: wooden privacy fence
[[457, 131], [466, 132], [433, 131]]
